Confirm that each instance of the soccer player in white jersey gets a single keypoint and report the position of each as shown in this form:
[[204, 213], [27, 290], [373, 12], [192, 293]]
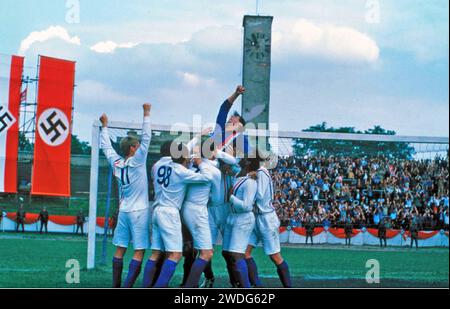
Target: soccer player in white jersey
[[266, 231], [166, 231], [158, 168], [195, 211], [131, 174], [241, 221], [218, 205]]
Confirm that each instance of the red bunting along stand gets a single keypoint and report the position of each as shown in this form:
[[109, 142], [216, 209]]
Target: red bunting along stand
[[51, 169], [56, 224], [364, 237]]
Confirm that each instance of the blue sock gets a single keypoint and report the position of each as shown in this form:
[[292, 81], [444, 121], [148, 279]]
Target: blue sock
[[253, 273], [196, 272], [117, 272], [242, 269], [283, 273], [149, 273], [167, 271], [133, 273]]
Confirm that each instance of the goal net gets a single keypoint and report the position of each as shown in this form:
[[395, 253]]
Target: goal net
[[286, 147]]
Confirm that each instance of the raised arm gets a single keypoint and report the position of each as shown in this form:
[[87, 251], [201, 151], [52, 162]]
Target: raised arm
[[245, 205], [190, 177], [105, 142], [219, 131], [141, 153]]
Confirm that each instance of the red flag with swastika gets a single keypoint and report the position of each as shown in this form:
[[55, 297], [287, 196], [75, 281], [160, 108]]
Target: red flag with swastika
[[11, 68], [51, 168]]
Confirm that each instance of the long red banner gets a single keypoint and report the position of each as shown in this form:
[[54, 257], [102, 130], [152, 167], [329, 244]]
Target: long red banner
[[51, 169], [11, 68]]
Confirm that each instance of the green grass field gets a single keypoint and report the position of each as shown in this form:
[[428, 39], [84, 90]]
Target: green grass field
[[34, 261]]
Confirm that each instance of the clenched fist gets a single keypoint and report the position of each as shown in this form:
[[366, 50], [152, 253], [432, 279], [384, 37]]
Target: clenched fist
[[240, 90], [104, 120], [147, 109]]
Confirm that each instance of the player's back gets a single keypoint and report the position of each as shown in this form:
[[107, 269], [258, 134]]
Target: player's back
[[174, 184], [264, 194], [158, 172], [244, 195], [131, 173], [133, 184], [200, 194]]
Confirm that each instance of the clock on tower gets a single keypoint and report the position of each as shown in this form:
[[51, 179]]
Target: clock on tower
[[256, 71]]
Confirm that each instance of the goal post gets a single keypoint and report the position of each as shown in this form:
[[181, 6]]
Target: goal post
[[93, 187], [283, 144]]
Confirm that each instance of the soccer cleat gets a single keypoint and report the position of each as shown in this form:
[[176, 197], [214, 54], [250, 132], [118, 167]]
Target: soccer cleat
[[208, 284]]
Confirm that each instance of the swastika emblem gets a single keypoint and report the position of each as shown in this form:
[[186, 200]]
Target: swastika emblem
[[53, 127], [6, 120]]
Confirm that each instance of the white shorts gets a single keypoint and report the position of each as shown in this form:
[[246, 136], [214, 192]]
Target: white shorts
[[217, 220], [196, 220], [167, 234], [133, 227], [267, 232], [238, 230]]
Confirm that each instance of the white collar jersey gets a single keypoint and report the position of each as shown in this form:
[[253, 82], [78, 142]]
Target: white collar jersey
[[158, 173], [264, 193], [175, 183], [200, 194], [244, 195], [131, 174]]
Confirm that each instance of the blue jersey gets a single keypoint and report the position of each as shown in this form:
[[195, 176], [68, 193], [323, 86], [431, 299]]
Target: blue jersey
[[220, 135]]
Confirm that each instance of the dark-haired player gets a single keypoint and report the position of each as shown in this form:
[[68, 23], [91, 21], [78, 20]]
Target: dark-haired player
[[241, 222], [266, 231], [131, 174], [231, 130], [174, 178]]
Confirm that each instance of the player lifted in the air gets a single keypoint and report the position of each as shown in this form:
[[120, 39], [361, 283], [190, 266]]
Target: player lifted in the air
[[231, 131], [266, 231], [131, 174], [226, 133], [240, 222], [174, 178]]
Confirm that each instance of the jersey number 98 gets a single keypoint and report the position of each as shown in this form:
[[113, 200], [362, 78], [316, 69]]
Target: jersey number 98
[[164, 174]]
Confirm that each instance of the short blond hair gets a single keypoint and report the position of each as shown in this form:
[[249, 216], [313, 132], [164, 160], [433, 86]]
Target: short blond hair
[[126, 143]]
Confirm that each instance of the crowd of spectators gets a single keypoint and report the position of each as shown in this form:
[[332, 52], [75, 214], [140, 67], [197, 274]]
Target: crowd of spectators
[[333, 191]]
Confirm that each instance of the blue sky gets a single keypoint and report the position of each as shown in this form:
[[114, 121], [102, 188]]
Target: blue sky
[[334, 61]]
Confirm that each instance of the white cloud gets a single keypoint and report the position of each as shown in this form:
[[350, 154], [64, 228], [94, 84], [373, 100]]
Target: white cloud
[[53, 32], [109, 47], [221, 40], [343, 44], [194, 80]]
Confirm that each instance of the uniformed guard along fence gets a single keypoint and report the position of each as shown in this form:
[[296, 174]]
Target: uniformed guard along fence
[[302, 145]]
